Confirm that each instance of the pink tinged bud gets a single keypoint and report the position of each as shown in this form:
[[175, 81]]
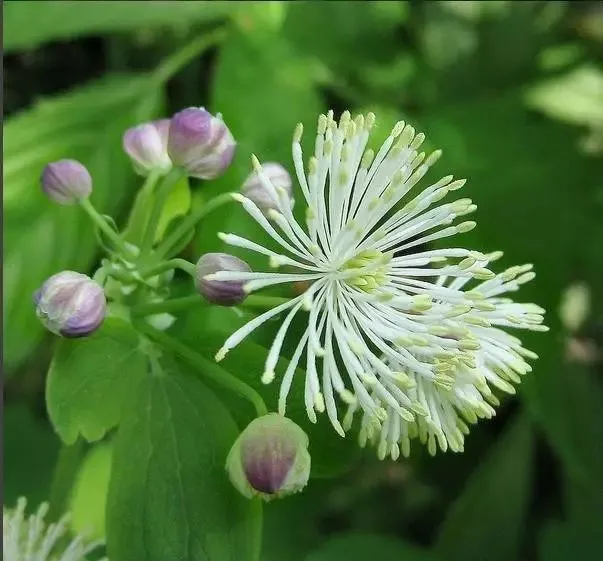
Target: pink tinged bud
[[146, 145], [254, 189], [200, 143], [270, 459], [70, 304], [66, 181], [221, 292]]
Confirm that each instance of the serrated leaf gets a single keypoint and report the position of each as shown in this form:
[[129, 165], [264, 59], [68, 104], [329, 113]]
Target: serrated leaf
[[344, 547], [28, 24], [89, 379], [42, 238], [489, 514], [89, 494], [169, 495]]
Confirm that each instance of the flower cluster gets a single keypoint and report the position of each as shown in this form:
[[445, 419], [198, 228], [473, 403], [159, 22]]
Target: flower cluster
[[410, 339], [195, 142]]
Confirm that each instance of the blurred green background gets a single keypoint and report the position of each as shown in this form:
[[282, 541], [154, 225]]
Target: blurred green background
[[513, 94]]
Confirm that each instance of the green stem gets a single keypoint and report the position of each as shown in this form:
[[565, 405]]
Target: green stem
[[187, 302], [175, 62], [139, 216], [161, 196], [100, 276], [190, 222], [155, 270], [173, 305], [104, 227], [206, 367]]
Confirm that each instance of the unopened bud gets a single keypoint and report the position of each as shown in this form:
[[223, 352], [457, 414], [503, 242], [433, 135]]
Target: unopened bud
[[270, 459], [200, 143], [146, 145], [70, 304], [221, 292], [66, 181], [254, 189]]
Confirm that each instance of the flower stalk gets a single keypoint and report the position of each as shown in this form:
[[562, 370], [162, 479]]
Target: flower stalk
[[253, 302], [205, 367], [161, 194], [190, 222], [105, 228]]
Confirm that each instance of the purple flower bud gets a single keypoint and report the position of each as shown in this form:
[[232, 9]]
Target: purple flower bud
[[254, 189], [66, 181], [270, 459], [146, 145], [221, 292], [70, 304], [200, 143]]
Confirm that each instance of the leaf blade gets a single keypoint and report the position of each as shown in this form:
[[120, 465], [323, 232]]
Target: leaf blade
[[29, 24], [89, 378], [195, 516], [489, 513]]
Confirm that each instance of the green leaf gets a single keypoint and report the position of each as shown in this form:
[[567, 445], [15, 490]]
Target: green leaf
[[89, 494], [345, 34], [89, 378], [579, 535], [575, 97], [490, 513], [28, 24], [567, 402], [30, 450], [462, 56], [42, 238], [345, 547], [169, 495]]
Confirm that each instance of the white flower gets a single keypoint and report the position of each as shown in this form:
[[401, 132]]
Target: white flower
[[381, 316], [30, 539], [462, 391]]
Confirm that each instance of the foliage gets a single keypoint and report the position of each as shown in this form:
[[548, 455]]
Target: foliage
[[512, 93]]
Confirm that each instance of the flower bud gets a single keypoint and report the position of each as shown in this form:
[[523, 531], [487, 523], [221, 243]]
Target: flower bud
[[253, 188], [270, 459], [66, 181], [221, 292], [146, 145], [70, 304], [200, 143]]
